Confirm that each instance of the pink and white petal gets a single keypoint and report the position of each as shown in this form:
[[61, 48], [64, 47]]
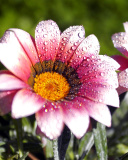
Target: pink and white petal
[[28, 44], [126, 26], [70, 40], [26, 103], [14, 57], [88, 47], [6, 98], [47, 38], [109, 62], [123, 78], [50, 120], [10, 82], [76, 117], [98, 111], [122, 61], [99, 93], [120, 41], [95, 69]]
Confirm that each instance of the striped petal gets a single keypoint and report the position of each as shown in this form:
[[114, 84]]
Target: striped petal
[[70, 40], [9, 82], [47, 37], [26, 103], [87, 48], [76, 117], [50, 120], [14, 57]]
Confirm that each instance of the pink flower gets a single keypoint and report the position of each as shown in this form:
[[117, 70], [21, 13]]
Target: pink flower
[[120, 41], [58, 76]]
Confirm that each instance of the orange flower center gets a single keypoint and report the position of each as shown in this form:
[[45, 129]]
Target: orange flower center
[[51, 86]]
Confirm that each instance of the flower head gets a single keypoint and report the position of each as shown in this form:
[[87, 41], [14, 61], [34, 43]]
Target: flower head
[[58, 76], [120, 41]]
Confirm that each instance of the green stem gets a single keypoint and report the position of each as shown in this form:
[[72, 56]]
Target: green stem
[[18, 127], [55, 149]]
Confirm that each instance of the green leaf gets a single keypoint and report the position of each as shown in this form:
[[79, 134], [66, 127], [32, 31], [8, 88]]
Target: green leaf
[[86, 144], [100, 141]]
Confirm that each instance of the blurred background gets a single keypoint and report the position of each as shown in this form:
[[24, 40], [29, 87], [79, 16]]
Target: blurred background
[[99, 17]]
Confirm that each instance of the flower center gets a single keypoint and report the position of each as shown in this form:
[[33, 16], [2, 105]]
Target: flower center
[[51, 86]]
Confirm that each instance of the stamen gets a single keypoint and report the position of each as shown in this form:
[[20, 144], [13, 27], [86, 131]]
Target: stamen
[[51, 86]]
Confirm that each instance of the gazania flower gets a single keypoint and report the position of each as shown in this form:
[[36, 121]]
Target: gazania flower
[[120, 41], [58, 76]]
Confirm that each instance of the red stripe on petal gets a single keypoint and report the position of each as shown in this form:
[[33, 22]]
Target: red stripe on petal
[[122, 61], [47, 37], [26, 103], [50, 120]]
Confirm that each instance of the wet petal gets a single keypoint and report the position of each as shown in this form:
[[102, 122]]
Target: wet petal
[[6, 98], [120, 41], [122, 61], [123, 78], [10, 82], [88, 47], [14, 57], [70, 40], [99, 93], [26, 103], [76, 117], [50, 120], [47, 37], [100, 70]]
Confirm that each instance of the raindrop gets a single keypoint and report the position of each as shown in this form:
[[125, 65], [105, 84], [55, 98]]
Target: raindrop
[[80, 35], [73, 48]]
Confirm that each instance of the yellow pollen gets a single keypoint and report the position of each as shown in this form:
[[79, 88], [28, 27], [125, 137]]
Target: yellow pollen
[[51, 86]]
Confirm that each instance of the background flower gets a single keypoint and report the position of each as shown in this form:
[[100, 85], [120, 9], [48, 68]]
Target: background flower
[[120, 41]]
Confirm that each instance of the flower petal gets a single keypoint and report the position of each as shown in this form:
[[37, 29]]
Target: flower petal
[[26, 103], [47, 37], [88, 47], [50, 120], [120, 41], [76, 117], [99, 93], [99, 69], [6, 98], [28, 44], [70, 40], [14, 57], [123, 78], [122, 61], [10, 82], [98, 111]]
